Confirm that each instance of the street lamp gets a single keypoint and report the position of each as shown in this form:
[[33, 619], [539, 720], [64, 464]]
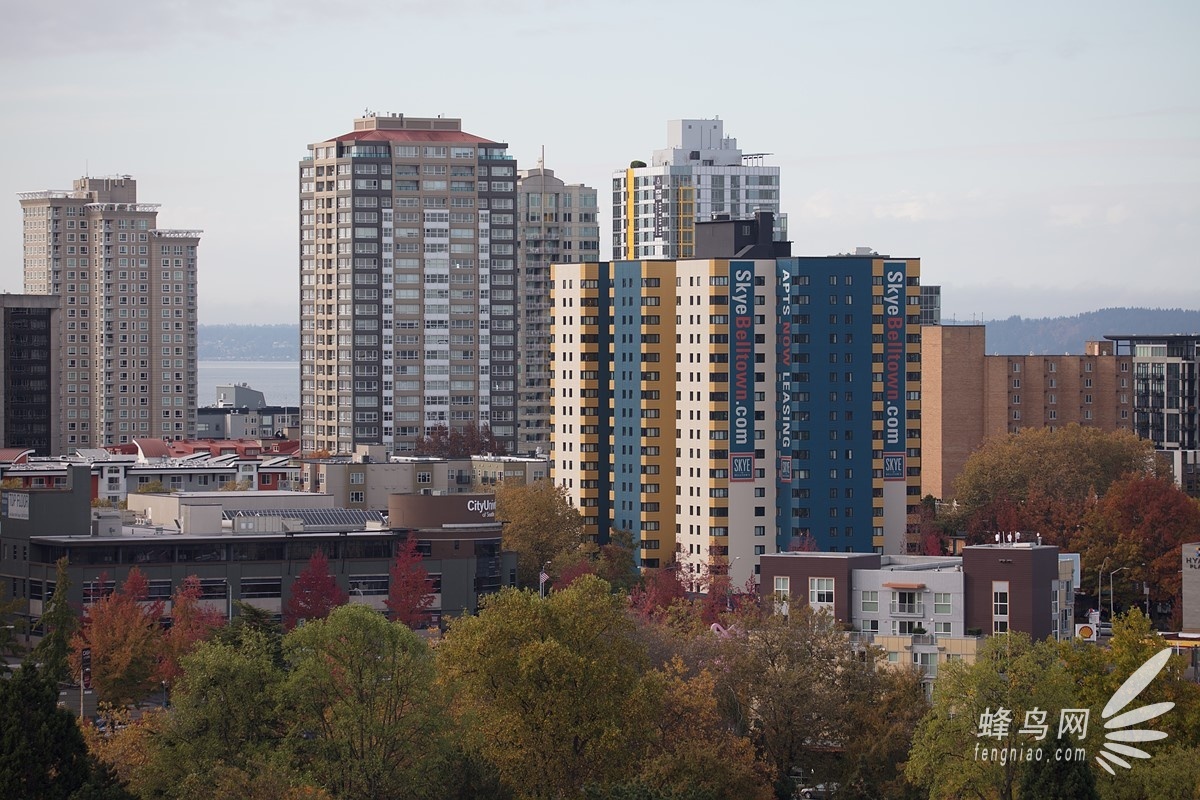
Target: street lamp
[[1110, 592], [1100, 587]]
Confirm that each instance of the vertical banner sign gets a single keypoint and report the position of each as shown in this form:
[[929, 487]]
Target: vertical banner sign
[[783, 375], [741, 370], [895, 495]]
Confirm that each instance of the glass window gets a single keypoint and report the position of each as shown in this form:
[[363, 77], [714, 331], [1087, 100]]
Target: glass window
[[870, 601], [783, 588], [941, 603], [820, 591]]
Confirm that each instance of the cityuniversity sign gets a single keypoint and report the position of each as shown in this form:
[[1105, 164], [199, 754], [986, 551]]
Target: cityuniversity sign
[[1073, 722]]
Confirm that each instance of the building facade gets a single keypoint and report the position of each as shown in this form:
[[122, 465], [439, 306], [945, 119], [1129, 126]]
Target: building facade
[[926, 610], [30, 401], [129, 299], [408, 284], [244, 546], [557, 224], [971, 396], [700, 173], [722, 409]]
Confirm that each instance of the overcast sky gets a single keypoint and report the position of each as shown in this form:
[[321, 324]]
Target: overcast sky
[[1040, 158]]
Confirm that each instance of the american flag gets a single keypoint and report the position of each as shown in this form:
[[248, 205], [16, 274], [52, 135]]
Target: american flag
[[542, 578]]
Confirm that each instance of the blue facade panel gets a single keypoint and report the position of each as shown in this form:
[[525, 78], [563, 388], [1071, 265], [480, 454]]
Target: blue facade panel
[[626, 398]]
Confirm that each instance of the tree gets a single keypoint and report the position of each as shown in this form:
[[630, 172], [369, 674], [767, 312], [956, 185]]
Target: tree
[[235, 486], [1046, 777], [59, 624], [617, 561], [364, 695], [227, 714], [153, 487], [123, 634], [552, 689], [314, 593], [1010, 673], [190, 624], [539, 524], [813, 701], [689, 745], [460, 442], [1140, 523], [42, 753], [658, 591], [1045, 480], [9, 645], [410, 590]]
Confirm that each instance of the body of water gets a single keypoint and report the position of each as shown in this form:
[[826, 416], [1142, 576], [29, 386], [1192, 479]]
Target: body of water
[[279, 381]]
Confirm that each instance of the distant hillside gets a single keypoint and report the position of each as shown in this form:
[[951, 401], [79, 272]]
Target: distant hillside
[[1060, 335], [249, 343]]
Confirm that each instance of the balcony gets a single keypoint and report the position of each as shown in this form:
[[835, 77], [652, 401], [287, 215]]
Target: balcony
[[907, 609]]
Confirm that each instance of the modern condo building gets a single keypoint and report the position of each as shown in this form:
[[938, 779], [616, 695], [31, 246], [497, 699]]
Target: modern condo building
[[408, 285], [700, 174]]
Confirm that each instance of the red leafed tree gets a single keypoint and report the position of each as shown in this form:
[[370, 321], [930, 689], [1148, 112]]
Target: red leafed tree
[[658, 590], [572, 572], [458, 443], [314, 594], [191, 624], [802, 543], [122, 633], [410, 590]]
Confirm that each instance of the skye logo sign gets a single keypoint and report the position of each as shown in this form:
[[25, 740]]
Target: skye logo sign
[[1120, 734]]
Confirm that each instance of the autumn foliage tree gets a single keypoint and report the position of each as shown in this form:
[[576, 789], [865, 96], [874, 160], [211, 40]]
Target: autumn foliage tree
[[460, 442], [1140, 523], [125, 639], [191, 623], [539, 525], [314, 594], [1045, 480], [410, 590], [658, 591]]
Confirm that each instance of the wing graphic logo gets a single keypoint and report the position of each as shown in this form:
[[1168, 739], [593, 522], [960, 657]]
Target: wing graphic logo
[[1114, 747]]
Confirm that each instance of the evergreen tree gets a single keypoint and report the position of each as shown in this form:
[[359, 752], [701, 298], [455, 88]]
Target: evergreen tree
[[1049, 779], [42, 753], [59, 624]]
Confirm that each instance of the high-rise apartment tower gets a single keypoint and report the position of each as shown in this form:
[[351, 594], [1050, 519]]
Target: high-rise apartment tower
[[128, 313], [557, 226], [699, 176], [408, 285]]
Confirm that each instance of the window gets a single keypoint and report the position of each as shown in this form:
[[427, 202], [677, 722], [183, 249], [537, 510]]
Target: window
[[424, 477], [870, 601], [358, 478], [999, 606], [783, 588], [820, 592], [943, 628], [941, 602], [907, 602]]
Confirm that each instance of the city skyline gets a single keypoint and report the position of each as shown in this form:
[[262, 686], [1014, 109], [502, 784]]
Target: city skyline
[[1033, 162]]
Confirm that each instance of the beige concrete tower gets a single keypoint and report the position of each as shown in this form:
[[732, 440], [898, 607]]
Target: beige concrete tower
[[557, 223], [128, 332]]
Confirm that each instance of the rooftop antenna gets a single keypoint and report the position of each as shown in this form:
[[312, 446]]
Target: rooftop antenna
[[542, 158]]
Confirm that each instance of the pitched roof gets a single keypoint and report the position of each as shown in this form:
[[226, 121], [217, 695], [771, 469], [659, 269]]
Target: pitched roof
[[410, 136]]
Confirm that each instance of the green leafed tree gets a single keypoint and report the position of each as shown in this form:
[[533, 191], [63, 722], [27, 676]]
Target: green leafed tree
[[59, 624], [551, 690], [982, 706], [369, 720], [539, 525], [227, 715]]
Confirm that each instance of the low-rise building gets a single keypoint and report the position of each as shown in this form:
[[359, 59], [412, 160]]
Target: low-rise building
[[930, 609], [247, 546]]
